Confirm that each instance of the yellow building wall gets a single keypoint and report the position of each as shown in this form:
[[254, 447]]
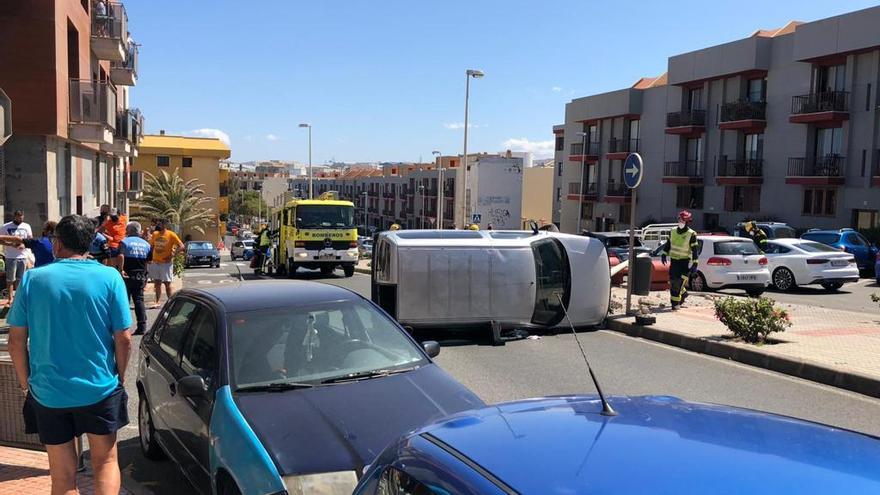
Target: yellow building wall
[[537, 196]]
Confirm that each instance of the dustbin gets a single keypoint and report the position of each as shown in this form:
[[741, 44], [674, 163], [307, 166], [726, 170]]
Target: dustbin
[[640, 273]]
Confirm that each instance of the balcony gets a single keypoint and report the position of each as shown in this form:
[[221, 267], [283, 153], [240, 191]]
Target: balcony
[[449, 191], [749, 116], [617, 192], [827, 170], [135, 185], [92, 115], [403, 193], [5, 117], [127, 135], [686, 172], [619, 148], [430, 192], [739, 172], [388, 213], [577, 153], [387, 195], [686, 122], [109, 31], [824, 107], [125, 73], [590, 191]]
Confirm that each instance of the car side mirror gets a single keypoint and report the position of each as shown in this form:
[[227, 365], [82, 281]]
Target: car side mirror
[[192, 386], [431, 347]]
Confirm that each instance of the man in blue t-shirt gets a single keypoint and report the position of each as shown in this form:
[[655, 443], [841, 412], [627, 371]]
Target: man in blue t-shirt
[[70, 346], [135, 252]]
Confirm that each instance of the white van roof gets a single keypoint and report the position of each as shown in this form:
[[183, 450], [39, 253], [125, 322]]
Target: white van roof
[[468, 238]]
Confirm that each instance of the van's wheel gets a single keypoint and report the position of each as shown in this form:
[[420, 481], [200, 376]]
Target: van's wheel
[[832, 286], [147, 432], [496, 334], [348, 270], [783, 279]]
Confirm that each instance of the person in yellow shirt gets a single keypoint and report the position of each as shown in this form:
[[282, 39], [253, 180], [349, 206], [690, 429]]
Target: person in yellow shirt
[[164, 244]]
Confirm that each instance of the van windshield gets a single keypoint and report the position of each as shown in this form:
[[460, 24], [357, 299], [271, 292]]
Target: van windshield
[[553, 277], [783, 233], [324, 217]]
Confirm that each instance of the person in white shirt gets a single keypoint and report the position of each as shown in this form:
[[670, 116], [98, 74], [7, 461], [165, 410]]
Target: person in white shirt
[[16, 257]]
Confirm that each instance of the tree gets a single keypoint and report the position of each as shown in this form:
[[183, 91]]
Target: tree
[[248, 204], [168, 196]]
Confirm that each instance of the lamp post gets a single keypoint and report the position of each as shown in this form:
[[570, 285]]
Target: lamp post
[[422, 210], [583, 135], [439, 188], [309, 126], [467, 89], [364, 194]]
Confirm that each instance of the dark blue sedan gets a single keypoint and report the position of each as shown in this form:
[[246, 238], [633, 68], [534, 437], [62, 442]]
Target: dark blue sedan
[[278, 387], [656, 445]]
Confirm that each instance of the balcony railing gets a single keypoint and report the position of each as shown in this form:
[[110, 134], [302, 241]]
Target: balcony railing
[[826, 101], [92, 102], [135, 181], [740, 168], [686, 118], [614, 188], [109, 30], [620, 145], [831, 165], [129, 125], [124, 73], [743, 110], [587, 188], [578, 148], [403, 193], [687, 168]]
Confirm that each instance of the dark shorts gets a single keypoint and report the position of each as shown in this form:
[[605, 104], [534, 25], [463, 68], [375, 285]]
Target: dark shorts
[[57, 426]]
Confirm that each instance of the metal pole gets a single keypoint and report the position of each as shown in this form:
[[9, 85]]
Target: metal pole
[[464, 164], [583, 172], [439, 214], [632, 235], [310, 162]]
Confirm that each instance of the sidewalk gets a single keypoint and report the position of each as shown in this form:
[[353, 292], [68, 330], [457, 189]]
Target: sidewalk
[[26, 472], [363, 266], [838, 348]]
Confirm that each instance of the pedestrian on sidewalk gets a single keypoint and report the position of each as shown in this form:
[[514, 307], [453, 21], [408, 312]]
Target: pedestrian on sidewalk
[[16, 257], [41, 248], [165, 245], [70, 346], [684, 249], [135, 252], [113, 229]]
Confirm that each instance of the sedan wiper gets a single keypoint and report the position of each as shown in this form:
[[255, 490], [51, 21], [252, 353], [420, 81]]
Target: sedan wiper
[[274, 387], [366, 375]]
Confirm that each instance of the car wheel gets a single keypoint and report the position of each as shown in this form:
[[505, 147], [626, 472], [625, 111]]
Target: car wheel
[[228, 487], [291, 268], [146, 432], [698, 283], [783, 279], [832, 286], [348, 270], [754, 292]]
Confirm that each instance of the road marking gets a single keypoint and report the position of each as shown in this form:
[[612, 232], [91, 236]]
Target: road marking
[[205, 282]]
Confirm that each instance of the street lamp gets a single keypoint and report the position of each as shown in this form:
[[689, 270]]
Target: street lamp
[[439, 188], [467, 88], [309, 126], [364, 194], [422, 211], [583, 136]]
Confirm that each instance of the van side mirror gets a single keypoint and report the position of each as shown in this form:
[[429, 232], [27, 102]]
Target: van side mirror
[[431, 347], [192, 386]]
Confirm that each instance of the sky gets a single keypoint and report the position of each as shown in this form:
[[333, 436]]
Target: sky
[[385, 80]]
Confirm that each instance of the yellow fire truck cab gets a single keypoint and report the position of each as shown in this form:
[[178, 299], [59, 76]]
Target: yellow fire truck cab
[[317, 234]]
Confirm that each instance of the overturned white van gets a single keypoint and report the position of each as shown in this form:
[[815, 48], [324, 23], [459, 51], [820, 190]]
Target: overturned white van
[[463, 278]]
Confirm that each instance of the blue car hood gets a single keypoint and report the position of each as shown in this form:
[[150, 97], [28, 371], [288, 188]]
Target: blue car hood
[[345, 426], [659, 445]]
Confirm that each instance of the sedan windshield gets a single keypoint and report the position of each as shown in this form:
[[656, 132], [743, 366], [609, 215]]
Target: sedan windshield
[[317, 344], [201, 245], [736, 247], [324, 216], [815, 247]]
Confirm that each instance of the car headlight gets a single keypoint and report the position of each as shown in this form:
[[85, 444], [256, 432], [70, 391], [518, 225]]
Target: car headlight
[[337, 483], [303, 254]]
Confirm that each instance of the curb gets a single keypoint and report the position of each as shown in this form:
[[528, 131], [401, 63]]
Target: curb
[[800, 368], [365, 271]]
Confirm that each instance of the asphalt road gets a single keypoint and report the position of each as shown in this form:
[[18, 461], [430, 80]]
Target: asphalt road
[[553, 365], [851, 297]]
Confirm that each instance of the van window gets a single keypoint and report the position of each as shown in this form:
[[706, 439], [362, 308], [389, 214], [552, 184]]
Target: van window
[[553, 278], [382, 259]]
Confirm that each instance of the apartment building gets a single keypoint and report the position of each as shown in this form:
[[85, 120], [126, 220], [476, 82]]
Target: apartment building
[[189, 158], [780, 125], [559, 158], [429, 195], [537, 195], [69, 68], [269, 181]]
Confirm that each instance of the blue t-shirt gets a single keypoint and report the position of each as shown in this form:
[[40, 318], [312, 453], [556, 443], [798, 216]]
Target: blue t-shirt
[[42, 249], [71, 309], [99, 247]]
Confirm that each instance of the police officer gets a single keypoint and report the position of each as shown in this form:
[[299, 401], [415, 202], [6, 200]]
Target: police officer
[[682, 247], [757, 235]]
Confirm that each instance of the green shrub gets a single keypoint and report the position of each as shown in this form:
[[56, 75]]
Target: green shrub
[[179, 263], [751, 319]]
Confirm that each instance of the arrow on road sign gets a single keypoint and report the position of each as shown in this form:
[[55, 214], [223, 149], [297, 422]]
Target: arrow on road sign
[[633, 170]]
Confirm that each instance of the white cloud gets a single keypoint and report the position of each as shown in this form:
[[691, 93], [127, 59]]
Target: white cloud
[[460, 125], [209, 133], [272, 137], [540, 149], [556, 89]]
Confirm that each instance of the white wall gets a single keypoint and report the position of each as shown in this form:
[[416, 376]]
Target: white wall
[[499, 192]]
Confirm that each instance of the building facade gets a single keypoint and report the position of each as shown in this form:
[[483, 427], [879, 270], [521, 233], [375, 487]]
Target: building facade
[[189, 158], [780, 125], [69, 70], [538, 194]]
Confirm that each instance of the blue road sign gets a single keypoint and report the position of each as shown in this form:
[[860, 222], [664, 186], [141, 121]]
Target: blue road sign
[[632, 170], [477, 218]]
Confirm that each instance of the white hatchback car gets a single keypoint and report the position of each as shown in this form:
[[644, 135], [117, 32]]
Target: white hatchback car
[[728, 262], [241, 249], [796, 262]]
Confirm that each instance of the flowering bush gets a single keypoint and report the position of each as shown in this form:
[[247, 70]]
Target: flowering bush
[[751, 319], [179, 263]]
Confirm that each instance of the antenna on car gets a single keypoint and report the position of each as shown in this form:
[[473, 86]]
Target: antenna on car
[[607, 410], [240, 276]]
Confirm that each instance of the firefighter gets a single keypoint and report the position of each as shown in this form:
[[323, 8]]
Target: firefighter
[[683, 249], [474, 226], [757, 235], [264, 242], [395, 226]]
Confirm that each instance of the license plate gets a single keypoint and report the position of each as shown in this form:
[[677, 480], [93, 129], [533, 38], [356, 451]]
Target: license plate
[[204, 258], [327, 257], [839, 263], [743, 278]]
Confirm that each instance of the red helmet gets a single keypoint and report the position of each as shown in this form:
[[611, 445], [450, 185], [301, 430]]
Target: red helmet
[[685, 216]]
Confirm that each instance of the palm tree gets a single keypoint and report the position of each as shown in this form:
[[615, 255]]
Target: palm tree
[[168, 196]]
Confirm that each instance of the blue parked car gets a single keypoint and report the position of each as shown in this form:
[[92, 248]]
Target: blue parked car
[[847, 240], [656, 445], [279, 387]]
